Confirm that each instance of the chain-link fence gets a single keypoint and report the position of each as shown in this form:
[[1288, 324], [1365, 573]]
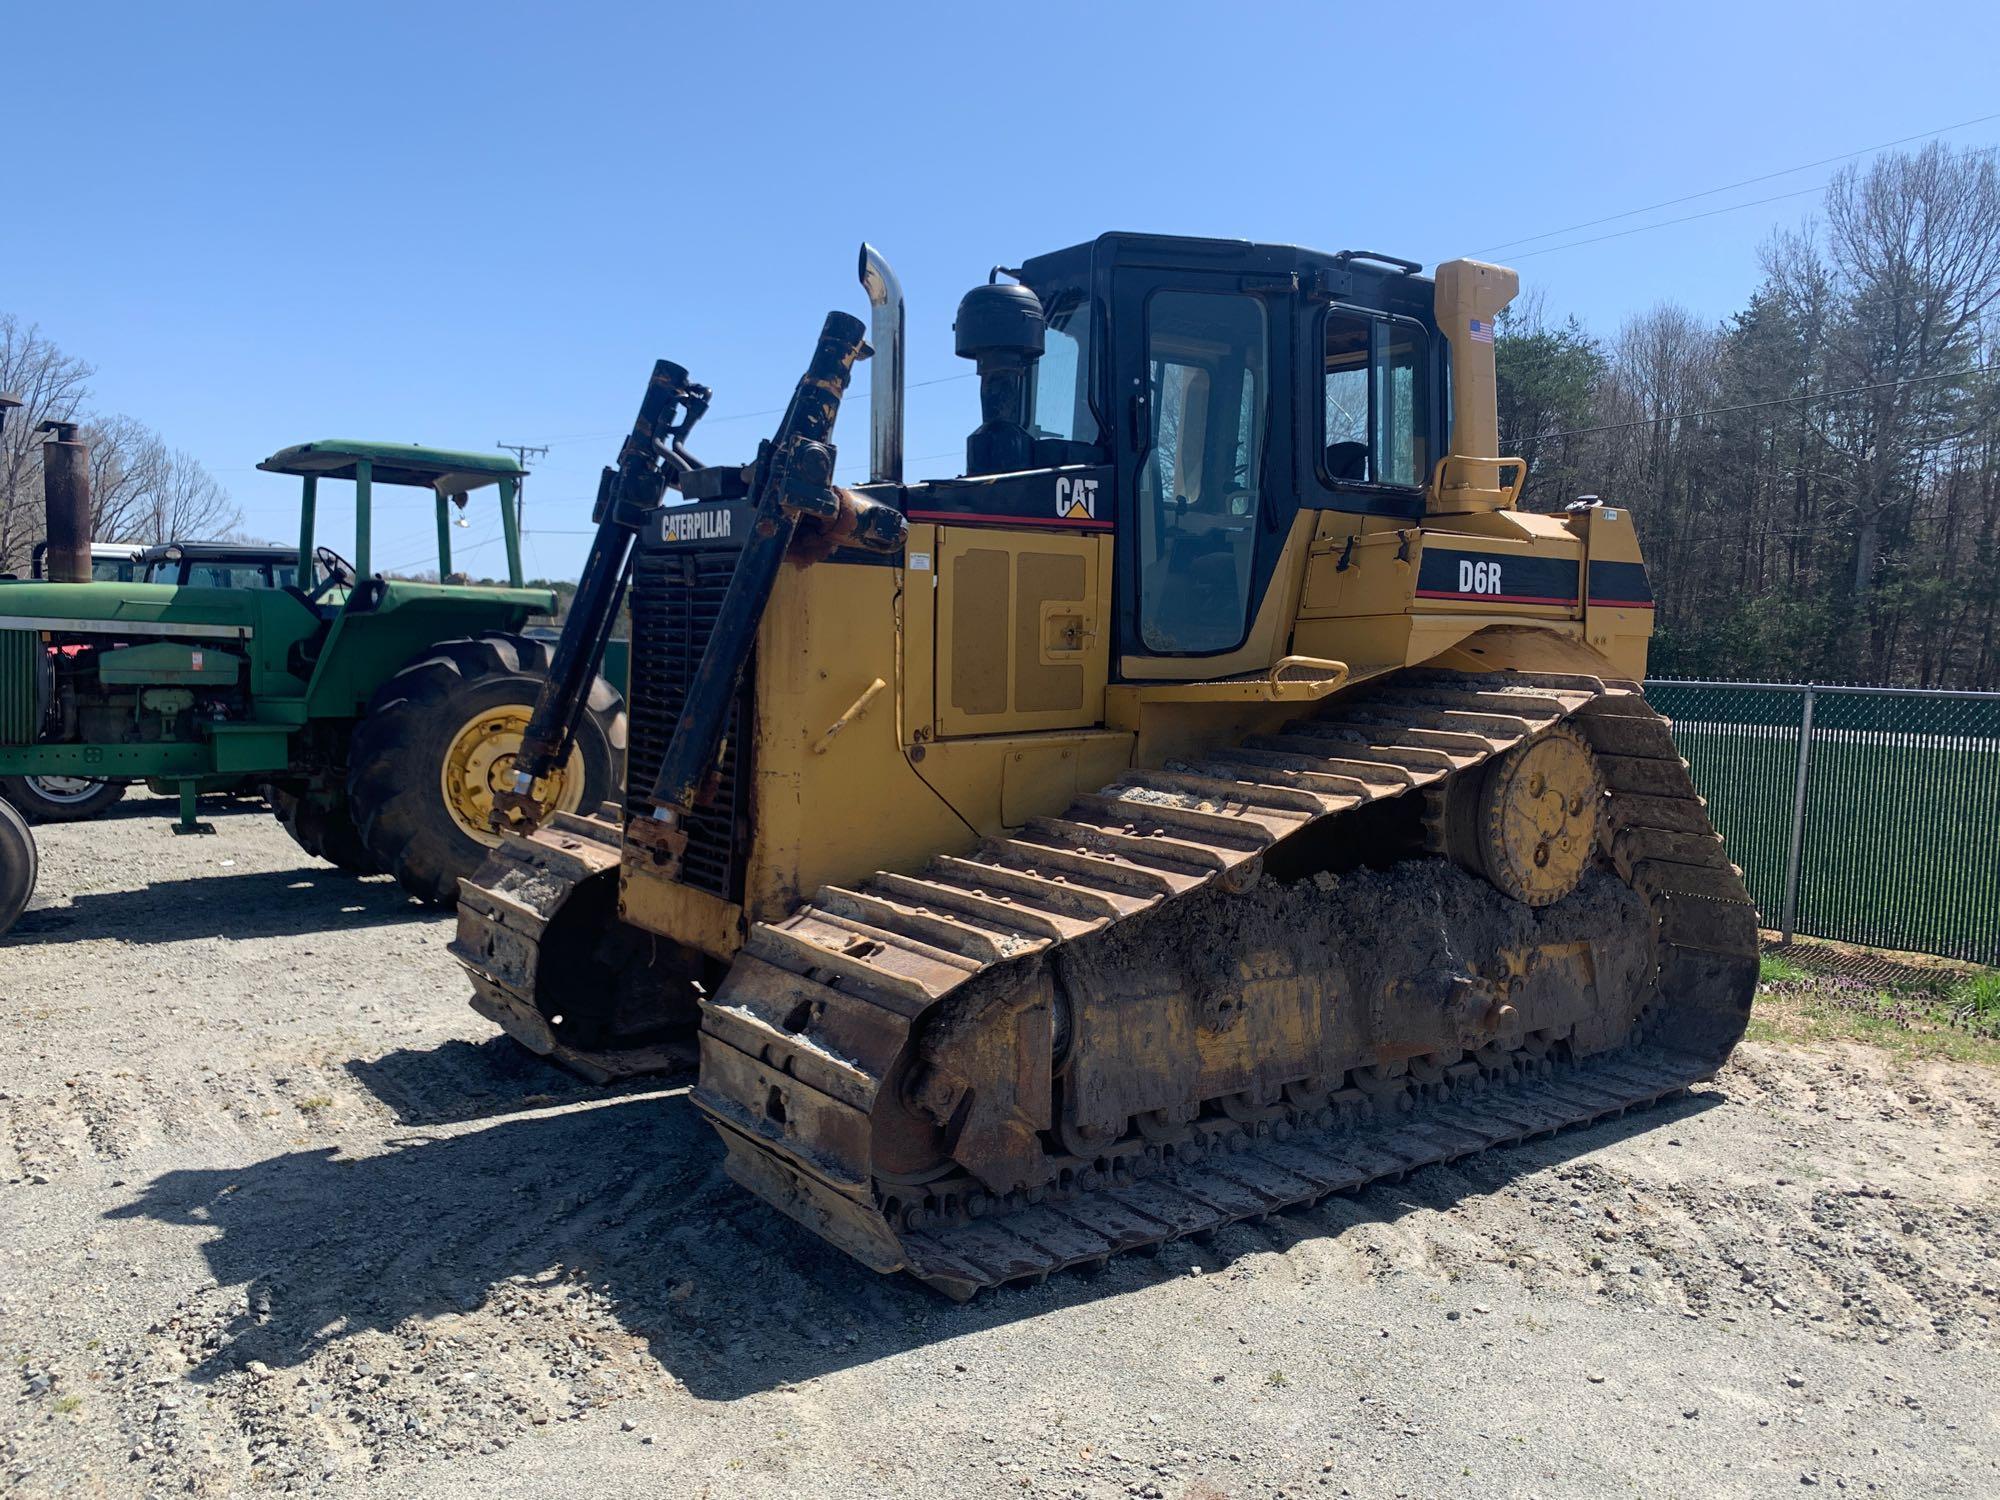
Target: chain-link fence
[[1866, 815]]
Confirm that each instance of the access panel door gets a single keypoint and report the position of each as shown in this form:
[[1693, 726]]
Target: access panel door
[[1021, 643]]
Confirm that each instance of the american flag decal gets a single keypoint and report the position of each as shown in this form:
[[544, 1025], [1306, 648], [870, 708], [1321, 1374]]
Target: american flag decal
[[1482, 333]]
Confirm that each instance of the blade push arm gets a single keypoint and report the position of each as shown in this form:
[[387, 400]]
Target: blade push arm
[[792, 479], [654, 458]]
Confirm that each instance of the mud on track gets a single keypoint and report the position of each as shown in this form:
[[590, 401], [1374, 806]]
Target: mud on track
[[278, 1214]]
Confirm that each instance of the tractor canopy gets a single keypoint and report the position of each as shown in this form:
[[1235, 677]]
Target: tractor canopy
[[438, 469], [449, 475]]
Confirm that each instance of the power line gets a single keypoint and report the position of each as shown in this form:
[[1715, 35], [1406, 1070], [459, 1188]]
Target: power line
[[458, 550], [1619, 234], [1731, 186], [1716, 411], [744, 416]]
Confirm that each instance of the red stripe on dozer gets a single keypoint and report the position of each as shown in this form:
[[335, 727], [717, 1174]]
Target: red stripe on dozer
[[959, 518], [1492, 598]]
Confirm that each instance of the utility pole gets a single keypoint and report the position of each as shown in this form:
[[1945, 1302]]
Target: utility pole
[[521, 452]]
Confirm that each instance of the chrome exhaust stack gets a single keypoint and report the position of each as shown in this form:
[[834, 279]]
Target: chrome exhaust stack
[[885, 392]]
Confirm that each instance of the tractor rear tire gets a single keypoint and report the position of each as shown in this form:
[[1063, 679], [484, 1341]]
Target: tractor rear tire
[[323, 831], [19, 865], [438, 737], [60, 799]]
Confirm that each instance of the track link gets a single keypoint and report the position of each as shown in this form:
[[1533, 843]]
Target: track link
[[802, 1043], [506, 916]]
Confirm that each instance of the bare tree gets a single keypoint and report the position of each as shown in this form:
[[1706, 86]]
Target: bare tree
[[141, 490], [187, 504], [52, 387], [127, 464], [1665, 363], [1915, 244]]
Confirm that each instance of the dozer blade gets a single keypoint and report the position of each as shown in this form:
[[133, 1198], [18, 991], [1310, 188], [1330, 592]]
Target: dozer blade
[[1111, 1031], [539, 914]]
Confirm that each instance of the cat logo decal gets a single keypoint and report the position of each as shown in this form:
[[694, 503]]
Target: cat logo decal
[[1076, 499]]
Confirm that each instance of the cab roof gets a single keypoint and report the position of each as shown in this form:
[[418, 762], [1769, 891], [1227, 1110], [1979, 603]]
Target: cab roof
[[440, 469], [1358, 275]]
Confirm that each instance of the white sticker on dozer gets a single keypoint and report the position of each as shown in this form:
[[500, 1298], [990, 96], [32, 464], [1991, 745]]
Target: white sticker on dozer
[[920, 562], [194, 658]]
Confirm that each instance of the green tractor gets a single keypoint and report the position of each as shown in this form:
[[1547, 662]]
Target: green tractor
[[381, 713]]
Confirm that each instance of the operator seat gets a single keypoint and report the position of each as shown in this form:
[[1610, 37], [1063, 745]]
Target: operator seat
[[1347, 461]]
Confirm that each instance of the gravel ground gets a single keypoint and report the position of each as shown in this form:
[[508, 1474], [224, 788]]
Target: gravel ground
[[282, 1215]]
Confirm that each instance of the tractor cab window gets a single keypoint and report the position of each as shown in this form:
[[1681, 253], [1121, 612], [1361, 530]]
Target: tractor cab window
[[1061, 391], [1376, 401], [229, 575], [1200, 485]]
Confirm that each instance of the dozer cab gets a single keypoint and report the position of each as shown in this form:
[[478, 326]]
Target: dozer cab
[[380, 713], [1218, 796]]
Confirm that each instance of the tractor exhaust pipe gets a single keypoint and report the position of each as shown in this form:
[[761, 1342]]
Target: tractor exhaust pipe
[[66, 499], [885, 392]]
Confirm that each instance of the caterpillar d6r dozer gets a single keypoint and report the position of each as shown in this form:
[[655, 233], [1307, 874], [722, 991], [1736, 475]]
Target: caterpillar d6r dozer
[[1219, 796]]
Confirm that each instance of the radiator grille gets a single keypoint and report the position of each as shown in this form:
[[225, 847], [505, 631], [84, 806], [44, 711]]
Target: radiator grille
[[20, 699], [676, 592]]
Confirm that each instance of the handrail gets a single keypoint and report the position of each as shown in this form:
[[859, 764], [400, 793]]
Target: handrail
[[1339, 671], [1509, 494]]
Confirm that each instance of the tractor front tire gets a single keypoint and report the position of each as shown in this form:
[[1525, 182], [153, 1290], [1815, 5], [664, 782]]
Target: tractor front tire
[[439, 739], [324, 831], [60, 799], [18, 865]]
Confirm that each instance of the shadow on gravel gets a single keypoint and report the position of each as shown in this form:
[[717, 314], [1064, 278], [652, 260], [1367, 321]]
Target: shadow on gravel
[[628, 1200], [459, 1080], [139, 805], [250, 904]]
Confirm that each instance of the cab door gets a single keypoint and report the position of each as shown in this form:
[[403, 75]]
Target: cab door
[[1201, 450]]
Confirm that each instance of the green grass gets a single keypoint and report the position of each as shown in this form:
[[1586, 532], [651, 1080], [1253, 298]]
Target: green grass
[[1976, 1002], [1796, 1019], [1949, 1012], [1775, 968]]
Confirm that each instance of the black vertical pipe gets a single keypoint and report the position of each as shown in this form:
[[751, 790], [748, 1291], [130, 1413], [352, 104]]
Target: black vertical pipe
[[626, 495], [66, 501]]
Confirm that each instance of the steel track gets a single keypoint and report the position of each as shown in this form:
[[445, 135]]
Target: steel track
[[802, 1043]]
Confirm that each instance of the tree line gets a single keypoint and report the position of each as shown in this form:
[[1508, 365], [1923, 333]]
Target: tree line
[[141, 489], [1816, 480]]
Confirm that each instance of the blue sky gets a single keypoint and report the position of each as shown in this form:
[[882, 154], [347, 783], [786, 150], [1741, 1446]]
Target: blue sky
[[464, 224]]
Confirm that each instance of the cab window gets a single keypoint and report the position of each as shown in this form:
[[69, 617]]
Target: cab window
[[1200, 485], [1376, 401], [229, 575], [1061, 390]]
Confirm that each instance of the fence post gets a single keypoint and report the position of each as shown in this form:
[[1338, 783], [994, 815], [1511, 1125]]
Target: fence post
[[1792, 854]]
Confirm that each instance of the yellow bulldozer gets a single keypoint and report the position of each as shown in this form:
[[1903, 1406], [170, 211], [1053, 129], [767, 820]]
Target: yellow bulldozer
[[1219, 796]]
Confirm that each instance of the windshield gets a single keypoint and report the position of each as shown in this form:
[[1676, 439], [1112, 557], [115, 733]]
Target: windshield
[[223, 573]]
